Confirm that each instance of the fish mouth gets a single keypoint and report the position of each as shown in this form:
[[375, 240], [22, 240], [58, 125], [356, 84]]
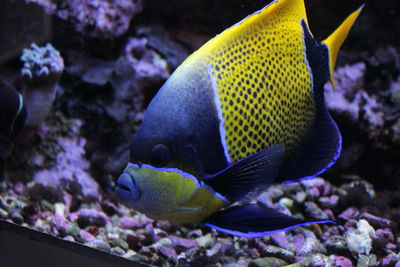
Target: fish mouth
[[126, 187]]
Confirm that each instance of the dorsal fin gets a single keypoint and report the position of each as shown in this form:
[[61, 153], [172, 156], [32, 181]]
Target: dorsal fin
[[277, 12], [336, 39]]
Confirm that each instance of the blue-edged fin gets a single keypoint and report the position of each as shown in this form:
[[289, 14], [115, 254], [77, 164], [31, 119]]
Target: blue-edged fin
[[253, 220], [246, 175], [319, 152]]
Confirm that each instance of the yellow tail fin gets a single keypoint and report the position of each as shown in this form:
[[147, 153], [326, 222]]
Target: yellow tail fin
[[336, 39]]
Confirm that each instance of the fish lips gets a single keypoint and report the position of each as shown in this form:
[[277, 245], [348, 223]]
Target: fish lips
[[126, 187]]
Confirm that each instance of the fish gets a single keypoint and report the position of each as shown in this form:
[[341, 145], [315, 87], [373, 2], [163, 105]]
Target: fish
[[12, 118], [244, 111]]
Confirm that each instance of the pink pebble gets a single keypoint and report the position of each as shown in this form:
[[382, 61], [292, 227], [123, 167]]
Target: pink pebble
[[340, 261], [86, 236]]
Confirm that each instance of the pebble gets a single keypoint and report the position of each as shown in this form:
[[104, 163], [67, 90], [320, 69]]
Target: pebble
[[389, 260], [16, 217], [135, 257], [336, 244], [328, 202], [46, 205], [205, 241], [267, 261], [85, 237], [377, 222], [133, 223], [73, 230], [319, 260], [59, 209], [367, 261], [383, 238], [61, 224], [360, 241], [167, 252], [214, 250], [280, 239], [314, 211], [349, 214], [88, 217], [133, 241], [273, 251], [340, 261], [109, 208], [3, 214], [118, 251], [183, 242], [99, 244]]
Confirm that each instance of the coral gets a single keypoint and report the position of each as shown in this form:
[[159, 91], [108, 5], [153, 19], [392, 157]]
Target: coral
[[42, 68], [69, 173], [95, 18]]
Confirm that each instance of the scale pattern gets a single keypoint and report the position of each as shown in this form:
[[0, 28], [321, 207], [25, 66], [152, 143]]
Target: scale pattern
[[264, 82]]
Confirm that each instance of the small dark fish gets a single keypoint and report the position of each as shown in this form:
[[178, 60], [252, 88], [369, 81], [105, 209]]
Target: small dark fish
[[245, 110], [12, 118]]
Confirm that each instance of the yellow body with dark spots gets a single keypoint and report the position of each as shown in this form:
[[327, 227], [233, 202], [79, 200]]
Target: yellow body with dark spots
[[263, 80]]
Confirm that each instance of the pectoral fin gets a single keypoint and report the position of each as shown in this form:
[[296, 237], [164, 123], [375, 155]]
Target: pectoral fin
[[253, 220], [244, 176]]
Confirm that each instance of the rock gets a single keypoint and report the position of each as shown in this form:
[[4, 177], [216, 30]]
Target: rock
[[59, 209], [135, 257], [267, 261], [336, 244], [101, 19], [3, 214], [73, 230], [349, 214], [108, 207], [320, 260], [360, 241], [16, 217], [99, 244], [134, 241], [167, 252], [314, 211], [340, 261], [377, 222], [329, 202], [48, 191], [69, 238], [205, 241], [214, 249], [383, 238], [70, 173], [389, 260], [273, 251], [118, 251], [183, 242], [87, 217], [61, 224], [366, 261], [280, 239], [133, 223], [85, 237]]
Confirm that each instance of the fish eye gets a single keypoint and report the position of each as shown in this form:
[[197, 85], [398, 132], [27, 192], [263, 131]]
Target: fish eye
[[160, 155]]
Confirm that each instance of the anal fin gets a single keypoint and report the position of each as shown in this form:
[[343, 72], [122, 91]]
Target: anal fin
[[253, 220]]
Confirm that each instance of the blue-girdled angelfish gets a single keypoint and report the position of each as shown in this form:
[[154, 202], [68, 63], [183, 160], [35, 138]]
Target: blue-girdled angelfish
[[12, 118], [245, 110]]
